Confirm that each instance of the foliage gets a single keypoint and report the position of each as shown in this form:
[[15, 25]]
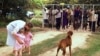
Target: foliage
[[39, 3], [10, 8], [62, 1], [78, 1], [37, 23], [3, 24], [3, 35], [89, 1], [38, 13]]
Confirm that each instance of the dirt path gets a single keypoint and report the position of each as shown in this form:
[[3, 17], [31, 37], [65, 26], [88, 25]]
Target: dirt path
[[79, 40], [38, 37]]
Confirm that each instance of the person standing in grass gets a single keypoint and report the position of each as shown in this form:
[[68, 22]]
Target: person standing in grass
[[13, 28], [28, 38]]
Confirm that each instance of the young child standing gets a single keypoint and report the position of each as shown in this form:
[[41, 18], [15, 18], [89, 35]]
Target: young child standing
[[28, 38], [18, 47]]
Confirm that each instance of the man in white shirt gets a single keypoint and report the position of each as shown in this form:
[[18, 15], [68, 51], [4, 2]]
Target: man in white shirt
[[12, 28], [45, 16]]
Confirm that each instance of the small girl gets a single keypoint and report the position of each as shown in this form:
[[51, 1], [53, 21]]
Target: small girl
[[18, 47], [28, 38]]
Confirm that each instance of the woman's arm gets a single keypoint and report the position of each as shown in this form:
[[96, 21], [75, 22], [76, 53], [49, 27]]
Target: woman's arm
[[17, 38]]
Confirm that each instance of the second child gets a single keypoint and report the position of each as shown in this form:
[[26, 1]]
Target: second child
[[28, 38]]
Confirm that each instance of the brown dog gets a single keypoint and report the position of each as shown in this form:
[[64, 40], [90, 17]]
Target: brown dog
[[67, 42]]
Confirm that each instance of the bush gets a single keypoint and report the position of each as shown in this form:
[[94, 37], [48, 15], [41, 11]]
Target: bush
[[37, 23], [38, 13], [3, 24]]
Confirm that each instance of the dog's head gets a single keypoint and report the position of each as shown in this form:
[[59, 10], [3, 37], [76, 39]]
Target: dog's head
[[70, 33]]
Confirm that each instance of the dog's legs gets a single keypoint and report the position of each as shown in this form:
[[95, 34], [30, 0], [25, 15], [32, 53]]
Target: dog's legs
[[58, 51], [70, 50], [64, 51]]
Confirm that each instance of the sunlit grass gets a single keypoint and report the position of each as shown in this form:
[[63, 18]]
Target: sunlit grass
[[93, 43], [45, 45], [93, 46]]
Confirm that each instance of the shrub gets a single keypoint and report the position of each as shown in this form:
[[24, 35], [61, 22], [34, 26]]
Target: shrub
[[38, 13], [37, 23], [3, 36], [3, 24]]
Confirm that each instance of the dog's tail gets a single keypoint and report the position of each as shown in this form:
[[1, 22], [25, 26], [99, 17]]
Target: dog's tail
[[58, 51]]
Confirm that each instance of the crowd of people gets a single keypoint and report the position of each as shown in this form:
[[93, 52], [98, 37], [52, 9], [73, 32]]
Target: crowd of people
[[77, 17]]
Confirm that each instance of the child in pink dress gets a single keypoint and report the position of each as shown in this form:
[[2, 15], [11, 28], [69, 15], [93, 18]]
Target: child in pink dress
[[18, 47], [28, 38]]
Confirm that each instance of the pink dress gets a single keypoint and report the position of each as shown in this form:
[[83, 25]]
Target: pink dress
[[18, 46], [28, 38]]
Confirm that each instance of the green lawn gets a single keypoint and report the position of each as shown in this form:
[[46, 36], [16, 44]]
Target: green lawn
[[3, 36], [45, 45], [93, 46]]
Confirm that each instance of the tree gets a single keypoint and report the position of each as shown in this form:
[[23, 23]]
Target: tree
[[62, 1], [89, 1], [8, 6], [11, 5]]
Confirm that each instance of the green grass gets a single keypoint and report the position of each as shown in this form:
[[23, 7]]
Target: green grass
[[3, 36], [45, 45], [93, 46], [2, 24]]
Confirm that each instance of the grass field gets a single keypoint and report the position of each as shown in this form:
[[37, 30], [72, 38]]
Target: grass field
[[3, 35], [93, 46], [45, 45]]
